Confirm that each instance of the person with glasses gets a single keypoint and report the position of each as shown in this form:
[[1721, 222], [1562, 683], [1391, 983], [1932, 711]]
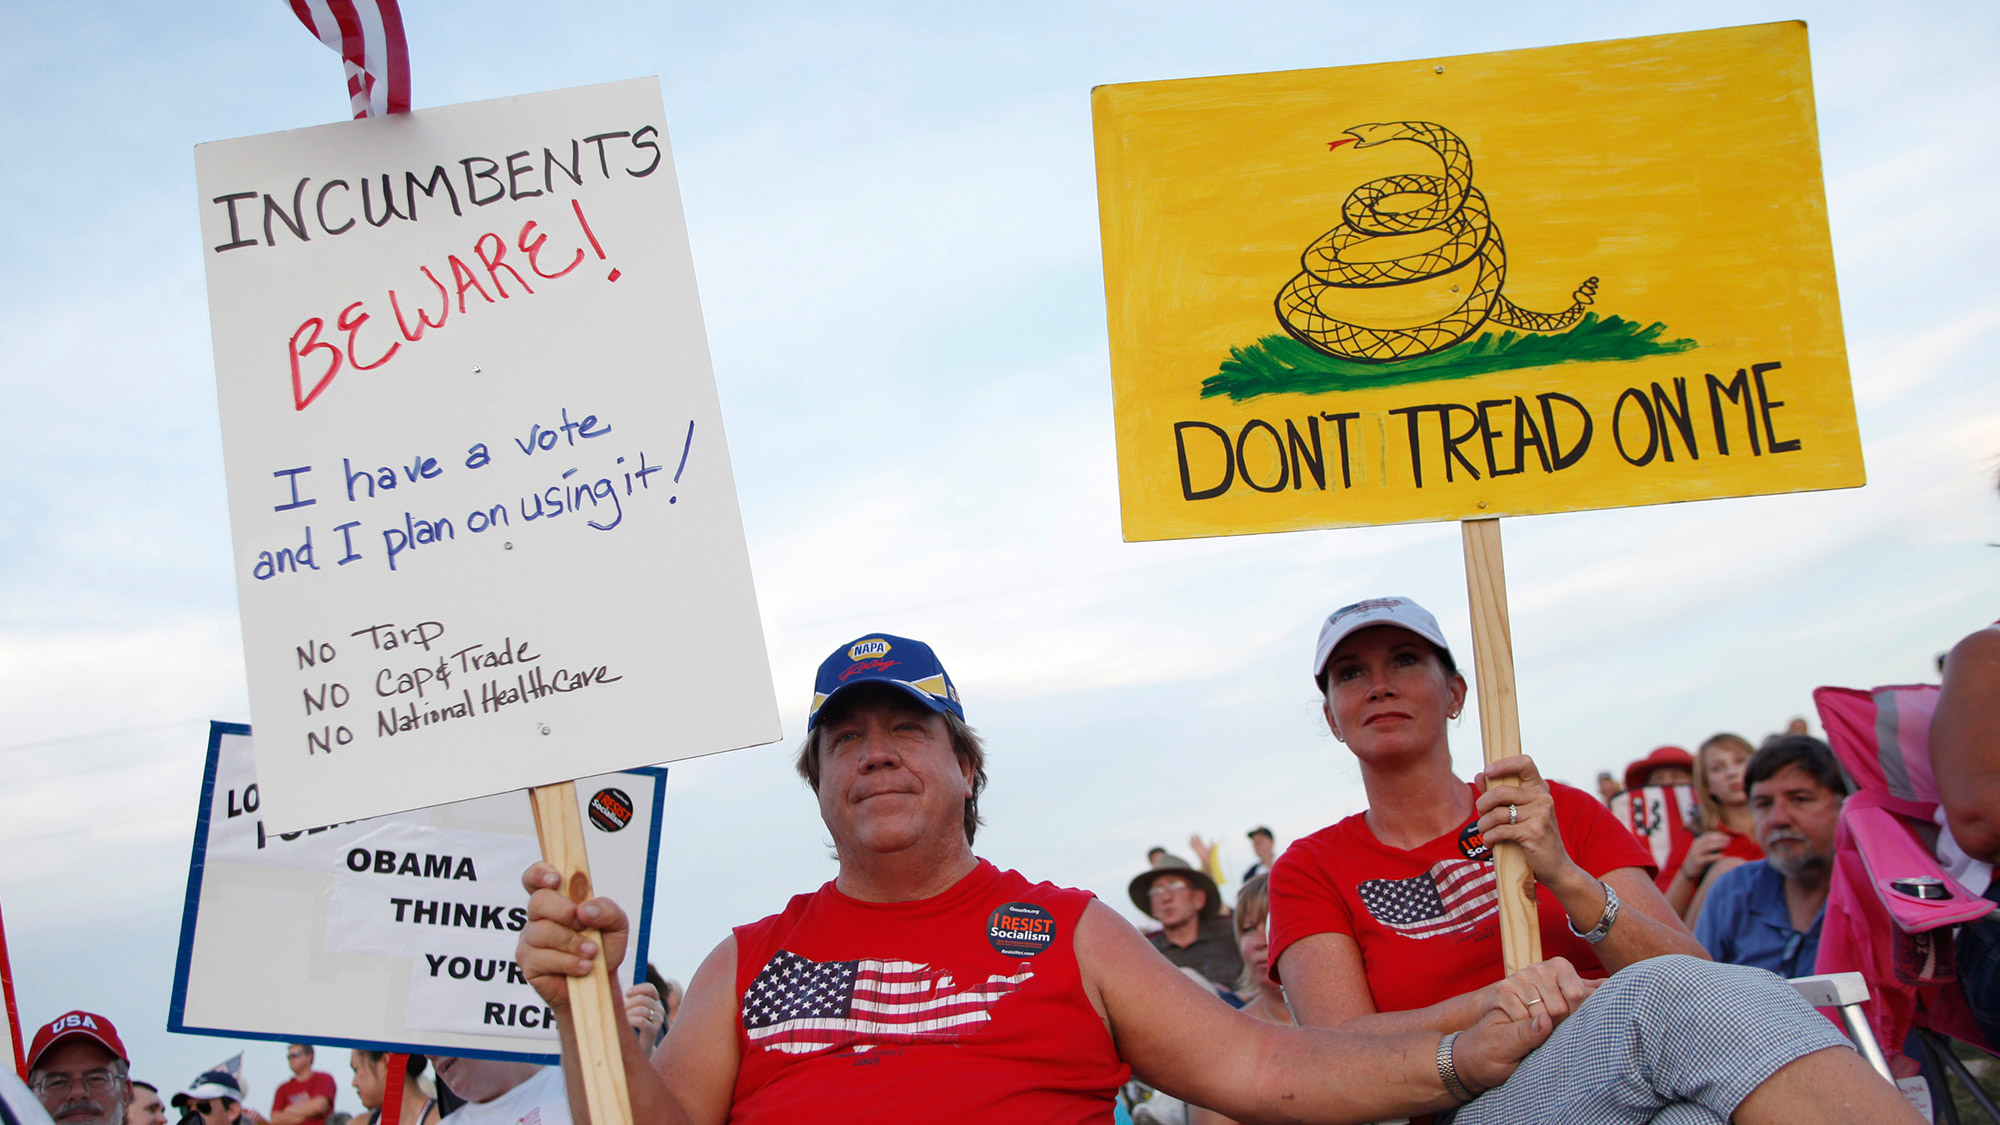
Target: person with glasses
[[216, 1095], [307, 1096], [1192, 934], [77, 1067]]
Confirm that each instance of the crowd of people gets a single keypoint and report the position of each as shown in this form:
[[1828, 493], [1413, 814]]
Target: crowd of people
[[79, 1070], [1357, 977], [1771, 811], [78, 1067]]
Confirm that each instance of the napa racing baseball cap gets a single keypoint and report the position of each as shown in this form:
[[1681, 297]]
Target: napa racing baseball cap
[[1400, 612], [880, 658]]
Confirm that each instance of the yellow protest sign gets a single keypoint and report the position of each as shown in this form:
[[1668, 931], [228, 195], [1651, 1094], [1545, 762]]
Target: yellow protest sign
[[1530, 281]]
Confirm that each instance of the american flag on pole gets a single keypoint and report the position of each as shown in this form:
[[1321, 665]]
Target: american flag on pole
[[800, 1006], [368, 35], [1455, 894]]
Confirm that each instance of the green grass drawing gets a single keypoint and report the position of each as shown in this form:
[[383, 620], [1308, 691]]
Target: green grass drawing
[[1281, 364]]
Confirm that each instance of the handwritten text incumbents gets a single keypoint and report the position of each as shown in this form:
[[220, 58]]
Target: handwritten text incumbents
[[632, 153]]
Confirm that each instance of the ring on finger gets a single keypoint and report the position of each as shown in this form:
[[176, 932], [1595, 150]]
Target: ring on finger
[[1513, 814], [1534, 1002]]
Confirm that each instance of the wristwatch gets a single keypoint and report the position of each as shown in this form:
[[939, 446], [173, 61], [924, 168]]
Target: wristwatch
[[1603, 928], [1448, 1072]]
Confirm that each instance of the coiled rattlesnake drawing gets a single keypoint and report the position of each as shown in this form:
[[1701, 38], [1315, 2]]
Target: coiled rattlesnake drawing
[[1458, 211]]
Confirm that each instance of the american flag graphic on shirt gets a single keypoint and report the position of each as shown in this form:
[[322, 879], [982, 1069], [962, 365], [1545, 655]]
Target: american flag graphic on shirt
[[798, 1006], [1455, 894]]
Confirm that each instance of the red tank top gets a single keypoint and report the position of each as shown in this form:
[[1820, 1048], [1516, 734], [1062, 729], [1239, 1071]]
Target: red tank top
[[965, 1007]]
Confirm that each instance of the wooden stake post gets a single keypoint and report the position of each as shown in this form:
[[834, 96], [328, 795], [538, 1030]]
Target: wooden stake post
[[1500, 729], [594, 1006]]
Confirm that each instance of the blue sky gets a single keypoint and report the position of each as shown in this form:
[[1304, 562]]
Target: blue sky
[[893, 215]]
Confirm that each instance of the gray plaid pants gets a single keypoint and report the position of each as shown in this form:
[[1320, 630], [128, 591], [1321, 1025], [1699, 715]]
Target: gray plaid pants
[[1672, 1040]]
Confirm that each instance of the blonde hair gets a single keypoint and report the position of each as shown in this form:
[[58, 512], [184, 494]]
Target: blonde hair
[[1253, 901], [1708, 807]]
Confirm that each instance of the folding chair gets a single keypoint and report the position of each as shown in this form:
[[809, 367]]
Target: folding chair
[[1891, 908], [1846, 992]]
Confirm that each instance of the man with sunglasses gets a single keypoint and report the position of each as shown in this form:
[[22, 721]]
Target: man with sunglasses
[[77, 1067], [215, 1095]]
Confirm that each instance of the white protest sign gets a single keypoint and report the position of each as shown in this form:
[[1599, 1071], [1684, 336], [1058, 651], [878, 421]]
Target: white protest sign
[[485, 529], [395, 933]]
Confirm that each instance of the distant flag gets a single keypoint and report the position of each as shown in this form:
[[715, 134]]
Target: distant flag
[[233, 1067], [368, 34]]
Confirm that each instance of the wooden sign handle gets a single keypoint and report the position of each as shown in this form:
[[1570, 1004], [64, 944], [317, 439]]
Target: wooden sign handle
[[594, 1005], [1500, 729]]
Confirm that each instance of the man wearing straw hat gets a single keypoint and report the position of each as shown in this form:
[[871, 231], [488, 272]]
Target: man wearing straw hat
[[1193, 934]]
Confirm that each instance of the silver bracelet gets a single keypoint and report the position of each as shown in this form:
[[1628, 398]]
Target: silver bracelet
[[1603, 928], [1449, 1073]]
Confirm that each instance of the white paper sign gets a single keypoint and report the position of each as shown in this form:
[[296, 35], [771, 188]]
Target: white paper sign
[[395, 933], [485, 529]]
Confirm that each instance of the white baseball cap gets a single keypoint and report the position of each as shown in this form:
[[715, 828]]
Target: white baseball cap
[[1400, 612]]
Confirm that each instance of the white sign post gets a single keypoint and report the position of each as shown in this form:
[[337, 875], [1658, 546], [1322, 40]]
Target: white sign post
[[486, 532], [395, 933]]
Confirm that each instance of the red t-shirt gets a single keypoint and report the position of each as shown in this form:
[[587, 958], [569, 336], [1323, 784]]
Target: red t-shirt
[[1742, 847], [965, 1007], [316, 1085], [1428, 919], [1739, 847]]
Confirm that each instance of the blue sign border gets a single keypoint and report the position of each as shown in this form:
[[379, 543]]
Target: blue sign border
[[190, 910]]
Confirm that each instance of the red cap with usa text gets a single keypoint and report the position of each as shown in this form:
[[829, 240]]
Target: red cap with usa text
[[77, 1024]]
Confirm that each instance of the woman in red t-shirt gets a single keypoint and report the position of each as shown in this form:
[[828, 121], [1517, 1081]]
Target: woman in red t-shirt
[[1722, 816], [1396, 910], [1389, 921]]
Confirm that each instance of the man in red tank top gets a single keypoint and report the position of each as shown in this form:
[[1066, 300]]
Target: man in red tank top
[[925, 984]]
